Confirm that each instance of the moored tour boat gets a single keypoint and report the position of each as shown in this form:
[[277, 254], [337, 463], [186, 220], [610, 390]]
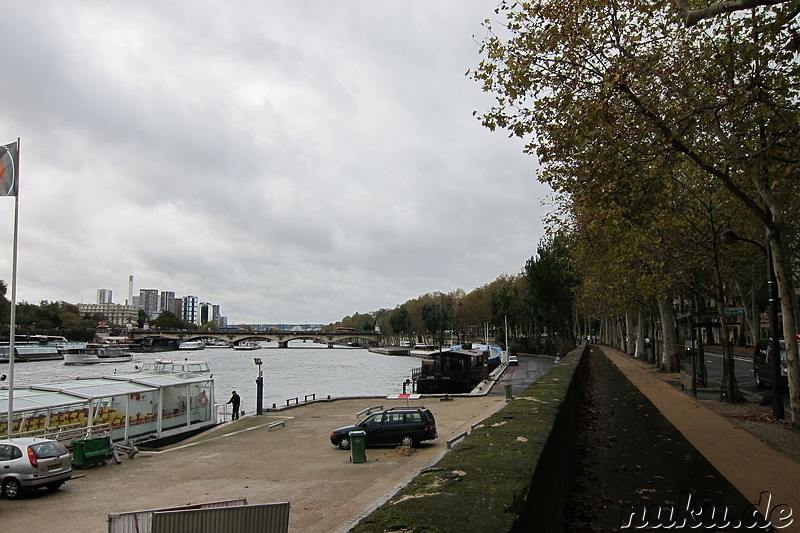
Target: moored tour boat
[[29, 352], [217, 343], [93, 354], [164, 402], [33, 348], [246, 345], [191, 345]]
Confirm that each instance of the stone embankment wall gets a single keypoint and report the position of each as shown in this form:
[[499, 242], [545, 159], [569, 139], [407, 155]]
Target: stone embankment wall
[[512, 473]]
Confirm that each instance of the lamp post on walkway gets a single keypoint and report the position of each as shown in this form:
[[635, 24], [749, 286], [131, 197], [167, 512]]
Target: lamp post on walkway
[[259, 388], [729, 236]]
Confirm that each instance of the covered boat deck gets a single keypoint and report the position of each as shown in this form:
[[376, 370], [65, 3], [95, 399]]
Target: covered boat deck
[[130, 408]]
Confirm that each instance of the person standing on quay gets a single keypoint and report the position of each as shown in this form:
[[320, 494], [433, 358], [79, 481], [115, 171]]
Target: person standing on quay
[[235, 400]]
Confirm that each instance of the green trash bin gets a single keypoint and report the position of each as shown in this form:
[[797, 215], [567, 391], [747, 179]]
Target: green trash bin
[[90, 451], [358, 446], [78, 453]]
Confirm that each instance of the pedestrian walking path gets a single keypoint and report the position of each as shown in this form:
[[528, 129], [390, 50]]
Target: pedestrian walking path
[[647, 448]]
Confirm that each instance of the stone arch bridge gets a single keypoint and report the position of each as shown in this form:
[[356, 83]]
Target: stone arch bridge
[[368, 338]]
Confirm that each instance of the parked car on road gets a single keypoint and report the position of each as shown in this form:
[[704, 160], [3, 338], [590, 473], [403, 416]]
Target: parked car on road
[[407, 426], [513, 361], [763, 361], [31, 463]]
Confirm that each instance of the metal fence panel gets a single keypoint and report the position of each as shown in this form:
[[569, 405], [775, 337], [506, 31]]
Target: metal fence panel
[[140, 521], [264, 518]]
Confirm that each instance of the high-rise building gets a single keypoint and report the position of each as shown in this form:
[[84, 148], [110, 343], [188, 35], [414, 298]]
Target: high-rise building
[[166, 302], [148, 300], [190, 309], [104, 296], [209, 313], [129, 301]]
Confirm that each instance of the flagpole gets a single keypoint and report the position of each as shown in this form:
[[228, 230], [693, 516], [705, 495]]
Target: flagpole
[[13, 316]]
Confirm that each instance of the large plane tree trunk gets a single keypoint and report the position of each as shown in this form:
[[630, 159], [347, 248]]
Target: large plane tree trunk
[[670, 358]]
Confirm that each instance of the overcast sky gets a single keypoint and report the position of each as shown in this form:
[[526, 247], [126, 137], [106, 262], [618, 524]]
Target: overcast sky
[[292, 161]]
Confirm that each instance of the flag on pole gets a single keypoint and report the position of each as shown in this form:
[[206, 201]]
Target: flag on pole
[[9, 186], [9, 174]]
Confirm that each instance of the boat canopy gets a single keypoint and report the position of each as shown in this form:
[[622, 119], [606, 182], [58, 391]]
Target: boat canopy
[[68, 393], [132, 407]]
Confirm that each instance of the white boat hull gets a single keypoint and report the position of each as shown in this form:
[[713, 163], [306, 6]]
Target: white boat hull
[[192, 345], [247, 345], [87, 359], [94, 355]]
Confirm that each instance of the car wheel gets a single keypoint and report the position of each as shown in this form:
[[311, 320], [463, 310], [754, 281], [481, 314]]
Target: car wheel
[[344, 442], [54, 486], [408, 440], [759, 382], [11, 488]]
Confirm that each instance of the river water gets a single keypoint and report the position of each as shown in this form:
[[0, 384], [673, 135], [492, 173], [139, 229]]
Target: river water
[[294, 372]]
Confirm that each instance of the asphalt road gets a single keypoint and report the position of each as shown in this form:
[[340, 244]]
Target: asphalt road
[[743, 369]]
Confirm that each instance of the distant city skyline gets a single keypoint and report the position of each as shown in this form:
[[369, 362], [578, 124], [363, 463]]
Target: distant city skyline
[[189, 308]]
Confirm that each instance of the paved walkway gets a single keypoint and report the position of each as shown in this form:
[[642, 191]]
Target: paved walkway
[[646, 447]]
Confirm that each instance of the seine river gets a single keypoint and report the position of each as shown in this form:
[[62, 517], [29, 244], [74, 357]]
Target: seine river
[[294, 372]]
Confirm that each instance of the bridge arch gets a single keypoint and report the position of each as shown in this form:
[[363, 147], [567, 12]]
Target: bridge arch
[[283, 338]]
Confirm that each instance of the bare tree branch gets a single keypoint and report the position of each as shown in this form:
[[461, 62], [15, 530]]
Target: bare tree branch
[[692, 16]]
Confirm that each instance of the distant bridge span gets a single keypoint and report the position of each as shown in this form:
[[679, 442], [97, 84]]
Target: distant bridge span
[[281, 337]]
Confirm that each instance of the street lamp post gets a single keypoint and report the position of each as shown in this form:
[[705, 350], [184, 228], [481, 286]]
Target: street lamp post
[[728, 236], [259, 388]]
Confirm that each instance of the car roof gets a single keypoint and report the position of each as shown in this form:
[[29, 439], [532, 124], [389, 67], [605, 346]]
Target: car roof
[[25, 440]]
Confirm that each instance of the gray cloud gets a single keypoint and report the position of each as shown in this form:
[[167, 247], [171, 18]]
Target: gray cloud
[[291, 162]]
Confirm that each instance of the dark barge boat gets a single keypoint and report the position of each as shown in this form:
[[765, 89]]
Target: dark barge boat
[[455, 371]]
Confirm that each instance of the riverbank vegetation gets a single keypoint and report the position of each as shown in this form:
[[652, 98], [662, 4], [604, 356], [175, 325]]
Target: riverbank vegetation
[[534, 307], [46, 318]]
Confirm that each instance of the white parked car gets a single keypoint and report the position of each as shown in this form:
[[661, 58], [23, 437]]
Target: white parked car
[[32, 463], [513, 361]]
